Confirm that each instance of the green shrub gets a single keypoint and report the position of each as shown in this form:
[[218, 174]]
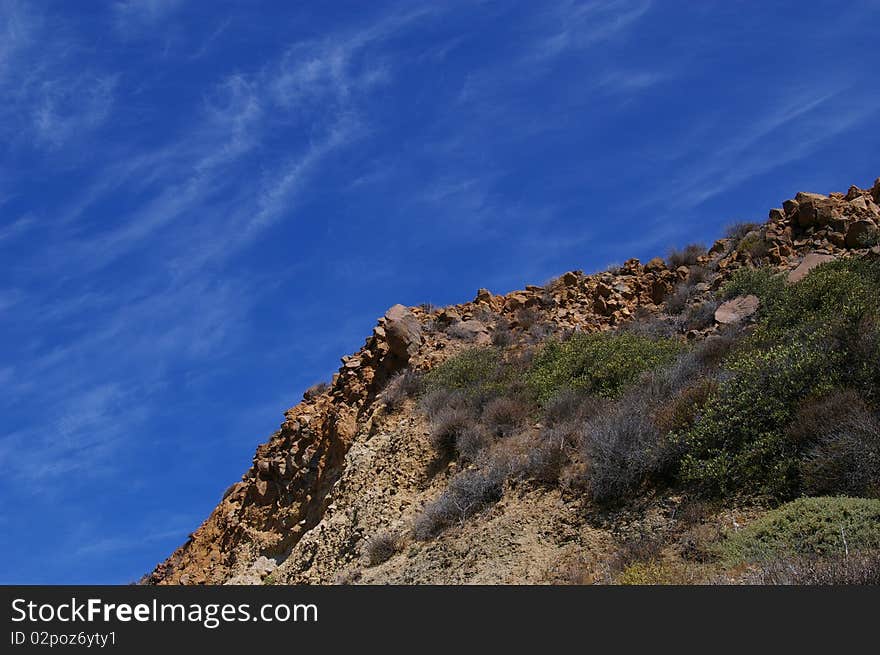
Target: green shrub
[[808, 526], [762, 282], [739, 441], [810, 339], [473, 372], [869, 239], [834, 296], [600, 363]]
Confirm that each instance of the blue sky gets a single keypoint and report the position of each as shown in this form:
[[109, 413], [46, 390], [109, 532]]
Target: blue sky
[[204, 205]]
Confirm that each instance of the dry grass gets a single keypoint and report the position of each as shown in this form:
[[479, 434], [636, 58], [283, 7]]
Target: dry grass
[[382, 547]]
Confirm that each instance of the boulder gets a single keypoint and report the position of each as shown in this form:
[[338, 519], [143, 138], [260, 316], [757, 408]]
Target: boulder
[[853, 193], [860, 234], [655, 265], [403, 332], [659, 291], [472, 330], [875, 190], [483, 295], [809, 262], [860, 202], [790, 207], [777, 215], [814, 209], [448, 315], [736, 310], [569, 279], [516, 300], [718, 247], [604, 290]]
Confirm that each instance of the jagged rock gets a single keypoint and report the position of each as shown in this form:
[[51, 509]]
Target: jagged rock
[[625, 292], [516, 300], [569, 279], [777, 215], [814, 209], [655, 265], [448, 316], [718, 247], [809, 262], [484, 295], [659, 291], [837, 239], [859, 202], [860, 233], [736, 310], [604, 290], [403, 332], [875, 190], [790, 207]]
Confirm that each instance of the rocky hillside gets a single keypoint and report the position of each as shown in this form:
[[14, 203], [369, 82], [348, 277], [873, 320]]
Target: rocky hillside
[[598, 428]]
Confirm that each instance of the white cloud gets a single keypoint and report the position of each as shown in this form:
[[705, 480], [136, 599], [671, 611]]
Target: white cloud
[[48, 102], [67, 107], [727, 151], [575, 25]]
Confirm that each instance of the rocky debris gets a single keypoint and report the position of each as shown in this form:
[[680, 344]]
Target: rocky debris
[[736, 310], [809, 262]]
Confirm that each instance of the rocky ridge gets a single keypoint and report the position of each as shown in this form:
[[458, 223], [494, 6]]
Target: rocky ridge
[[342, 468]]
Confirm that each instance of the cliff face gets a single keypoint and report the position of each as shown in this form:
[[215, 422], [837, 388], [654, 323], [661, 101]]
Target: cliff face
[[346, 467]]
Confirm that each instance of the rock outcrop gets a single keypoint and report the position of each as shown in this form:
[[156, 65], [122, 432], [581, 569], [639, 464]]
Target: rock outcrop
[[341, 468]]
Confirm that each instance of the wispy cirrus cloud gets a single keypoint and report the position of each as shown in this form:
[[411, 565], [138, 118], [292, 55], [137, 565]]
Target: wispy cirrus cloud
[[69, 107], [788, 128], [575, 25], [48, 101], [189, 215]]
